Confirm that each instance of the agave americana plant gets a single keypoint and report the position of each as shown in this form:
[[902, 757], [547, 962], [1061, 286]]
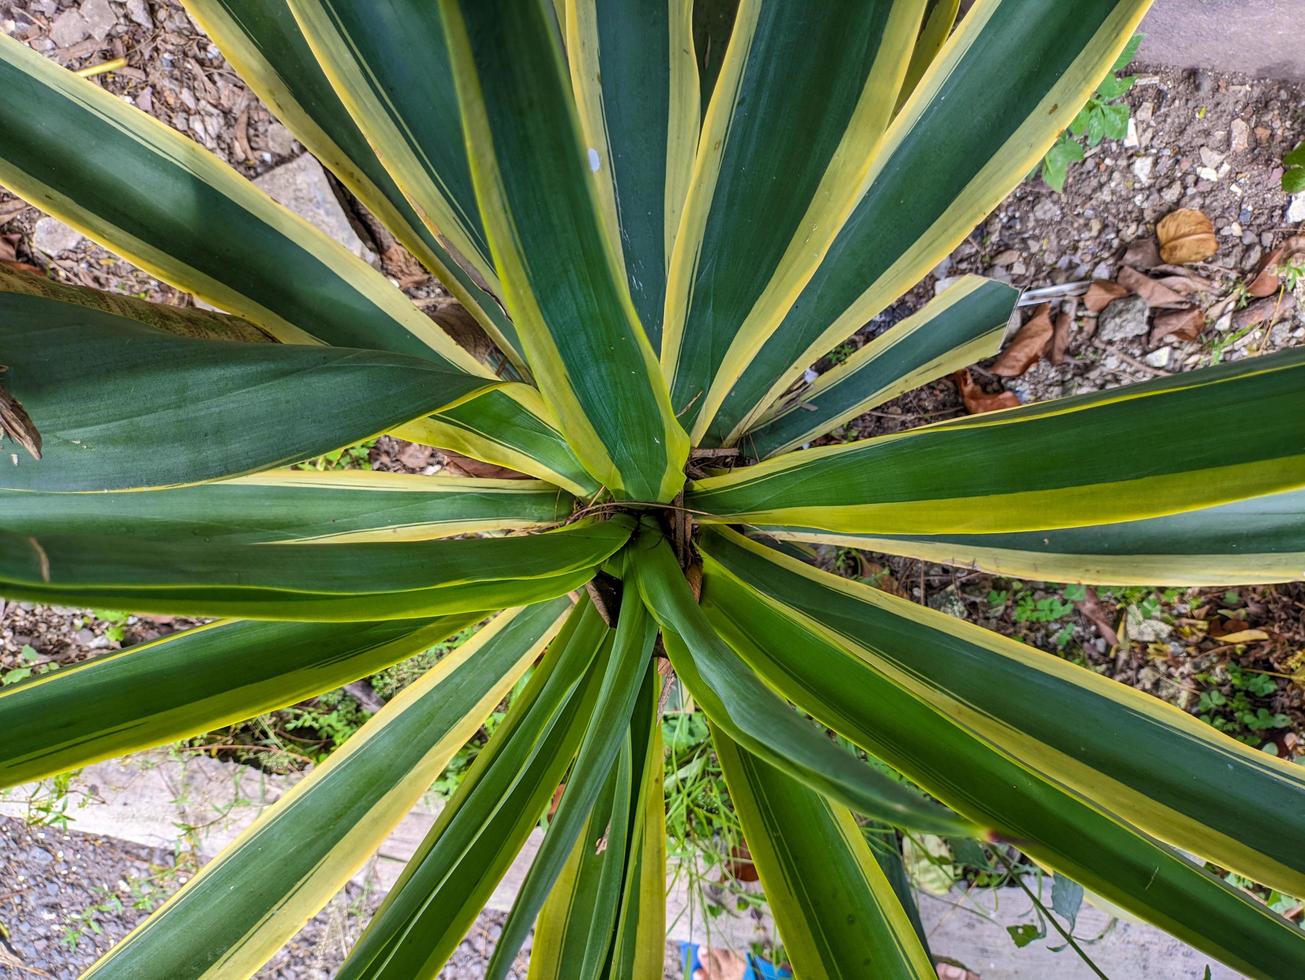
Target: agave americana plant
[[656, 218]]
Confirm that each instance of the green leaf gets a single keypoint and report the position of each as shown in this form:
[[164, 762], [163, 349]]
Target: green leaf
[[1043, 466], [483, 827], [972, 130], [1129, 53], [1161, 769], [815, 134], [837, 914], [122, 406], [835, 681], [1115, 121], [295, 505], [1022, 935], [346, 582], [563, 283], [256, 894], [1260, 539], [749, 713], [939, 19], [1293, 181], [965, 324], [624, 664], [1066, 898], [161, 201], [190, 683], [267, 48], [636, 84], [1296, 158]]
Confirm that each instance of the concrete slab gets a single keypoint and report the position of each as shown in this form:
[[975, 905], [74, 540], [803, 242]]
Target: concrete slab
[[1258, 37]]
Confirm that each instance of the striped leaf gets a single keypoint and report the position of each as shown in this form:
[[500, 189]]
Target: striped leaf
[[508, 426], [163, 202], [1160, 769], [295, 505], [230, 918], [639, 947], [261, 40], [348, 582], [483, 827], [1053, 465], [843, 686], [804, 95], [390, 66], [837, 914], [1261, 539], [752, 715], [636, 83], [191, 683], [624, 665], [124, 406], [939, 19], [562, 281], [996, 97], [965, 324], [576, 925]]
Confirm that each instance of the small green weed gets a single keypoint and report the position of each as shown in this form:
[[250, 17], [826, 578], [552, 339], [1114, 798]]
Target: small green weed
[[1105, 116], [356, 457], [1293, 174], [1236, 704]]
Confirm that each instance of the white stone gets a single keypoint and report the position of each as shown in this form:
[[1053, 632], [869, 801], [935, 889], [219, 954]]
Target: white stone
[[99, 16], [1131, 141], [1205, 173], [1159, 358], [1296, 210], [1142, 167], [69, 28], [53, 237], [301, 185], [138, 11], [1241, 136]]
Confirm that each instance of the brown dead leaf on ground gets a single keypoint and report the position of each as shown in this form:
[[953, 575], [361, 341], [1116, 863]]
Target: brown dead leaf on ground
[[1028, 346], [879, 577], [9, 254], [1155, 292], [1060, 333], [1269, 279], [1092, 610], [10, 209], [455, 464], [1185, 324], [1102, 293], [1270, 308], [977, 401], [1186, 236], [740, 866], [1142, 254]]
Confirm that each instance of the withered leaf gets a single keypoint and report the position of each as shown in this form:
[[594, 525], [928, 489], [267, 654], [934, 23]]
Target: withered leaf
[[1142, 254], [1028, 346], [1102, 293], [1186, 236], [455, 464], [1270, 308], [1153, 291], [977, 401], [1185, 324], [17, 424], [1060, 334], [1268, 280]]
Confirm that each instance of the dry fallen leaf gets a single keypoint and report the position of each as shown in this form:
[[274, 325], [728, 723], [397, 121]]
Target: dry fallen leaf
[[1090, 606], [1153, 291], [1186, 236], [1244, 636], [1060, 333], [1028, 346], [1142, 254], [977, 401], [1269, 278], [1185, 324], [1270, 308], [455, 464], [1102, 293]]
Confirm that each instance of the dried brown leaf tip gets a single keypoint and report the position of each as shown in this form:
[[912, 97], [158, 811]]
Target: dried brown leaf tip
[[17, 424], [1269, 279], [1186, 236], [1029, 345], [1102, 293], [977, 401], [1184, 324]]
